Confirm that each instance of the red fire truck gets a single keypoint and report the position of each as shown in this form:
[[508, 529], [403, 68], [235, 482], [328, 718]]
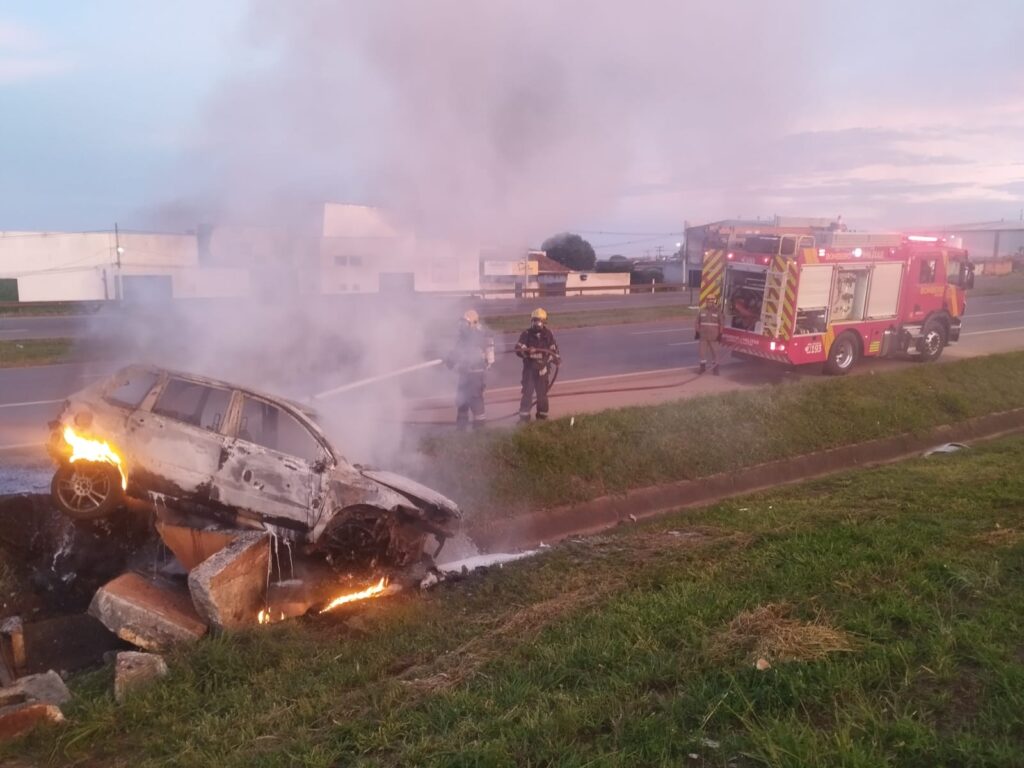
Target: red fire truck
[[836, 297]]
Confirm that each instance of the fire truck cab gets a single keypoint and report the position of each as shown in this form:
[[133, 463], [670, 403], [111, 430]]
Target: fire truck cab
[[836, 297]]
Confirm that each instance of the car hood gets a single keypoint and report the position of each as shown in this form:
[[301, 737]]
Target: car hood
[[415, 491]]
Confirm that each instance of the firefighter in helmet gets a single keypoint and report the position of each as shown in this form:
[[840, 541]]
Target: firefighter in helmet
[[539, 352], [470, 357], [709, 330]]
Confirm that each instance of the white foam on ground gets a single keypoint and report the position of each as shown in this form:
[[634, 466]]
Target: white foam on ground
[[480, 561]]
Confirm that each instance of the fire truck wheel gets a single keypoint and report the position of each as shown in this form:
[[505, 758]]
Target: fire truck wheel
[[843, 355], [86, 490], [933, 339]]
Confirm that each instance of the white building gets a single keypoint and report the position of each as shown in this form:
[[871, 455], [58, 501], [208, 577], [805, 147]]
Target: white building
[[363, 250], [93, 266]]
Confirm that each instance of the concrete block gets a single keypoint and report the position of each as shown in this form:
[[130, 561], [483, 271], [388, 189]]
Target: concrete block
[[133, 671], [147, 614], [229, 588], [18, 720], [191, 546], [31, 701]]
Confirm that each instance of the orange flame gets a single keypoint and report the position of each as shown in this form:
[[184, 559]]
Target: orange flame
[[264, 617], [374, 591], [93, 450]]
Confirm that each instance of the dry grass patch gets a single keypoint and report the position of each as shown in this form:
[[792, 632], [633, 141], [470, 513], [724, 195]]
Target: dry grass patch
[[1001, 537], [768, 632], [521, 626]]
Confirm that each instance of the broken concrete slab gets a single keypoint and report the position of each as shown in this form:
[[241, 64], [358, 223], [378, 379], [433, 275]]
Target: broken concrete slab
[[12, 649], [133, 671], [230, 588], [191, 546], [146, 613], [46, 688], [18, 720], [31, 701]]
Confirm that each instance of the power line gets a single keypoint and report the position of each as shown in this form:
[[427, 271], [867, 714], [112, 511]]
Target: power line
[[629, 234], [632, 242]]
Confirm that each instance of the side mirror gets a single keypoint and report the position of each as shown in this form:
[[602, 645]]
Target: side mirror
[[967, 276]]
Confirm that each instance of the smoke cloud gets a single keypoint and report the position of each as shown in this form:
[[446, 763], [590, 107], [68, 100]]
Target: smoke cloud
[[493, 123], [505, 120]]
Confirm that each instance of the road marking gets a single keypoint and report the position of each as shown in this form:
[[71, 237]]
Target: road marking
[[997, 330], [30, 403], [993, 314], [607, 376], [662, 330]]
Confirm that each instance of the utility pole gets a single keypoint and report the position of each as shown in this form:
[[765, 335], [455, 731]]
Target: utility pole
[[659, 252], [118, 250]]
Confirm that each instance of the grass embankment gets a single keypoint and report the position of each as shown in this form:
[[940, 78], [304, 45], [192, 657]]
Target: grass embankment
[[35, 352], [997, 285], [51, 308], [557, 463], [592, 317], [886, 602]]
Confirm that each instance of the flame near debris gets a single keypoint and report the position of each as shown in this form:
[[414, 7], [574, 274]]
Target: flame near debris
[[369, 592], [85, 449]]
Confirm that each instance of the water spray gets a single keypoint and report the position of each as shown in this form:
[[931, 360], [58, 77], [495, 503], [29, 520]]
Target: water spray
[[375, 379]]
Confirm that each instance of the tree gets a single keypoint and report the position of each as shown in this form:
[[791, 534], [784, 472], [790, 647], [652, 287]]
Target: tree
[[571, 251]]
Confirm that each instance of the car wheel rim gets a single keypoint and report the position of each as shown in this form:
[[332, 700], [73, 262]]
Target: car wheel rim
[[931, 342], [84, 491], [844, 355]]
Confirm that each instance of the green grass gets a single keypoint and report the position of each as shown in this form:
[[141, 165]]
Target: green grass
[[34, 352], [592, 317], [51, 308], [617, 650], [558, 462], [997, 285]]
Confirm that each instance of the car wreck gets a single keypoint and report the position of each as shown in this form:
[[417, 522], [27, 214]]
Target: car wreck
[[201, 453]]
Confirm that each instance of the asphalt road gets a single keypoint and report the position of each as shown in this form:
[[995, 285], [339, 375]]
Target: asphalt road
[[29, 397], [107, 320]]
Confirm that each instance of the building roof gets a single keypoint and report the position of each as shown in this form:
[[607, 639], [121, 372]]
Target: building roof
[[547, 266], [984, 226]]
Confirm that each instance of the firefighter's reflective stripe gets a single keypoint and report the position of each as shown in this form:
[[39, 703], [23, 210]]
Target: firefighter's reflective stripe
[[780, 298], [827, 339], [788, 302], [712, 272], [710, 324]]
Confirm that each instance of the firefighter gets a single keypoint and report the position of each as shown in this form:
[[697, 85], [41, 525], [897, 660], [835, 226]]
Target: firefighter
[[471, 356], [709, 330], [538, 350]]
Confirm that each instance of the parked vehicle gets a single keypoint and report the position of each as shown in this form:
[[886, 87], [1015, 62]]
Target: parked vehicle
[[839, 298], [223, 453]]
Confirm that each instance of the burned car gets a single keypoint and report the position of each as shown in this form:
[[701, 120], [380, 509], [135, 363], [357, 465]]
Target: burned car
[[217, 453]]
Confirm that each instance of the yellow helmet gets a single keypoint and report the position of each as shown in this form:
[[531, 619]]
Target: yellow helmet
[[539, 314], [471, 317]]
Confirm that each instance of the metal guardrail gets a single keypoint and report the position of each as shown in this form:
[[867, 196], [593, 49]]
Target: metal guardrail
[[502, 293]]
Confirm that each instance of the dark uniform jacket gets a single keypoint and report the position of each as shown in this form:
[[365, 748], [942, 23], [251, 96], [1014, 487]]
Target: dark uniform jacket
[[534, 338]]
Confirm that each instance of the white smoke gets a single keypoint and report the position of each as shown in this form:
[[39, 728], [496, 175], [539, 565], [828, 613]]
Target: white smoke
[[498, 122]]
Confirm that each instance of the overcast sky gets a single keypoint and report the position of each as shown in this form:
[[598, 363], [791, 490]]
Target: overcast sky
[[512, 119]]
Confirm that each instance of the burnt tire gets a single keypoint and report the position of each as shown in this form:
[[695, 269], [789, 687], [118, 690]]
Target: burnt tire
[[86, 490], [842, 355], [933, 340]]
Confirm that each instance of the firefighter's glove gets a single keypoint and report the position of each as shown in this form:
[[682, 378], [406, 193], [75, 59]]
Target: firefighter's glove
[[696, 335], [449, 362]]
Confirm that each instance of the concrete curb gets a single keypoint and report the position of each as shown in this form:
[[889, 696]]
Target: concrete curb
[[606, 512]]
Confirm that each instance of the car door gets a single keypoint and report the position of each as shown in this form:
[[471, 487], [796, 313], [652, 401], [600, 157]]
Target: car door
[[273, 465], [177, 442]]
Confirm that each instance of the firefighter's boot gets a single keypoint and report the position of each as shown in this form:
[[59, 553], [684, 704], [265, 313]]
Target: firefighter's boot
[[714, 369], [703, 367]]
